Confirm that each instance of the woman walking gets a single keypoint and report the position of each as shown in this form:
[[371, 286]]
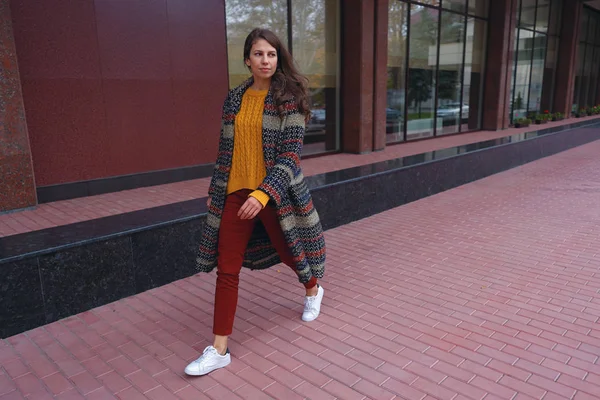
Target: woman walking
[[260, 211]]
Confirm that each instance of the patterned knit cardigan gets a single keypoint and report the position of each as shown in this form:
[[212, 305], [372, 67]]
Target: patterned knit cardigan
[[282, 138]]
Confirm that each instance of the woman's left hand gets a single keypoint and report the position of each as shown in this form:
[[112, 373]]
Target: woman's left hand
[[250, 208]]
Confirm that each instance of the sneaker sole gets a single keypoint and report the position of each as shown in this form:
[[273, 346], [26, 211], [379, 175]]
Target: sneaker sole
[[206, 373]]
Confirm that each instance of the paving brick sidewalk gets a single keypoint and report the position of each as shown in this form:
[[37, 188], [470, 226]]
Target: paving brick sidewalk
[[487, 291]]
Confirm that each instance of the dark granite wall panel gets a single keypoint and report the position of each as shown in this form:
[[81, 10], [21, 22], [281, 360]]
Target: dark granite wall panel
[[116, 87], [17, 188], [85, 277], [21, 298], [165, 254]]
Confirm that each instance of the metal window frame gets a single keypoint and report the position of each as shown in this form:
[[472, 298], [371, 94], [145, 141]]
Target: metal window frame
[[532, 56], [440, 8], [518, 37], [462, 75], [290, 34]]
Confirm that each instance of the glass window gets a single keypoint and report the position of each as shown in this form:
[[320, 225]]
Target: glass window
[[543, 13], [549, 74], [398, 13], [592, 100], [435, 3], [555, 17], [422, 62], [584, 26], [315, 27], [578, 76], [585, 91], [537, 73], [436, 59], [585, 78], [244, 15], [473, 75], [514, 102], [450, 107], [315, 49], [527, 19], [535, 57], [455, 5], [592, 23], [522, 74], [479, 8]]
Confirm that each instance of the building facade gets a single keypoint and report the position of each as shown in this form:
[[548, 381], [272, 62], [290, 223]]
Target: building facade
[[104, 95]]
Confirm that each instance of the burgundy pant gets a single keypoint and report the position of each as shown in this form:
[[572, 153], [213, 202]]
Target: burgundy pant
[[234, 235]]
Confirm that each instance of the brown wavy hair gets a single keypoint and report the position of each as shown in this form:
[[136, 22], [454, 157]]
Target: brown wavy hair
[[287, 82]]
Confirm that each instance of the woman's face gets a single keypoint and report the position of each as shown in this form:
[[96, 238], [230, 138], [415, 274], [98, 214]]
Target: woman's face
[[263, 60]]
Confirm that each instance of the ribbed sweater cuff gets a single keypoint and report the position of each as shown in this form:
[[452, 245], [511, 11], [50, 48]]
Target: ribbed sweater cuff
[[260, 196]]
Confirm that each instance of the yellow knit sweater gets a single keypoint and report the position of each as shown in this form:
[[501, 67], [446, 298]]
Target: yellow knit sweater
[[248, 163]]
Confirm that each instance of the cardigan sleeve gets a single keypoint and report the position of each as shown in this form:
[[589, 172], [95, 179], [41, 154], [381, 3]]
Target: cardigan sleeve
[[287, 163], [220, 153]]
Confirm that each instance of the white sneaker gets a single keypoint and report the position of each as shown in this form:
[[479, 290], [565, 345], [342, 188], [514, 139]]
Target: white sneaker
[[208, 362], [312, 305]]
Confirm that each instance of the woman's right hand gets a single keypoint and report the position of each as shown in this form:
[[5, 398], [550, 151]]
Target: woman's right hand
[[208, 201]]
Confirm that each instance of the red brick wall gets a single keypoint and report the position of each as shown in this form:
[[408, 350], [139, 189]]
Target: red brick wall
[[116, 87]]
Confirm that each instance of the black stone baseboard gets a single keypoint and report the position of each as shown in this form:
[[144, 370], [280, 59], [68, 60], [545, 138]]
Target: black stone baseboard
[[72, 190], [53, 273]]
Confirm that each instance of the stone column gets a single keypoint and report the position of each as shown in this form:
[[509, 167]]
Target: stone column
[[499, 64], [358, 20], [16, 169], [567, 57]]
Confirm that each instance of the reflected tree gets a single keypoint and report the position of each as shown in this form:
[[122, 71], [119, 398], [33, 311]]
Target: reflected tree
[[423, 33], [244, 15], [309, 45], [397, 34], [451, 56]]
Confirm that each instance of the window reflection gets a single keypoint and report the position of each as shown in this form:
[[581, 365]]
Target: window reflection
[[578, 77], [543, 12], [527, 19], [586, 88], [314, 44], [244, 15], [522, 74], [435, 88], [422, 63], [537, 72], [434, 3], [396, 85], [593, 99], [451, 110], [555, 17], [585, 79], [549, 74], [535, 57], [479, 8], [473, 74], [455, 5]]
